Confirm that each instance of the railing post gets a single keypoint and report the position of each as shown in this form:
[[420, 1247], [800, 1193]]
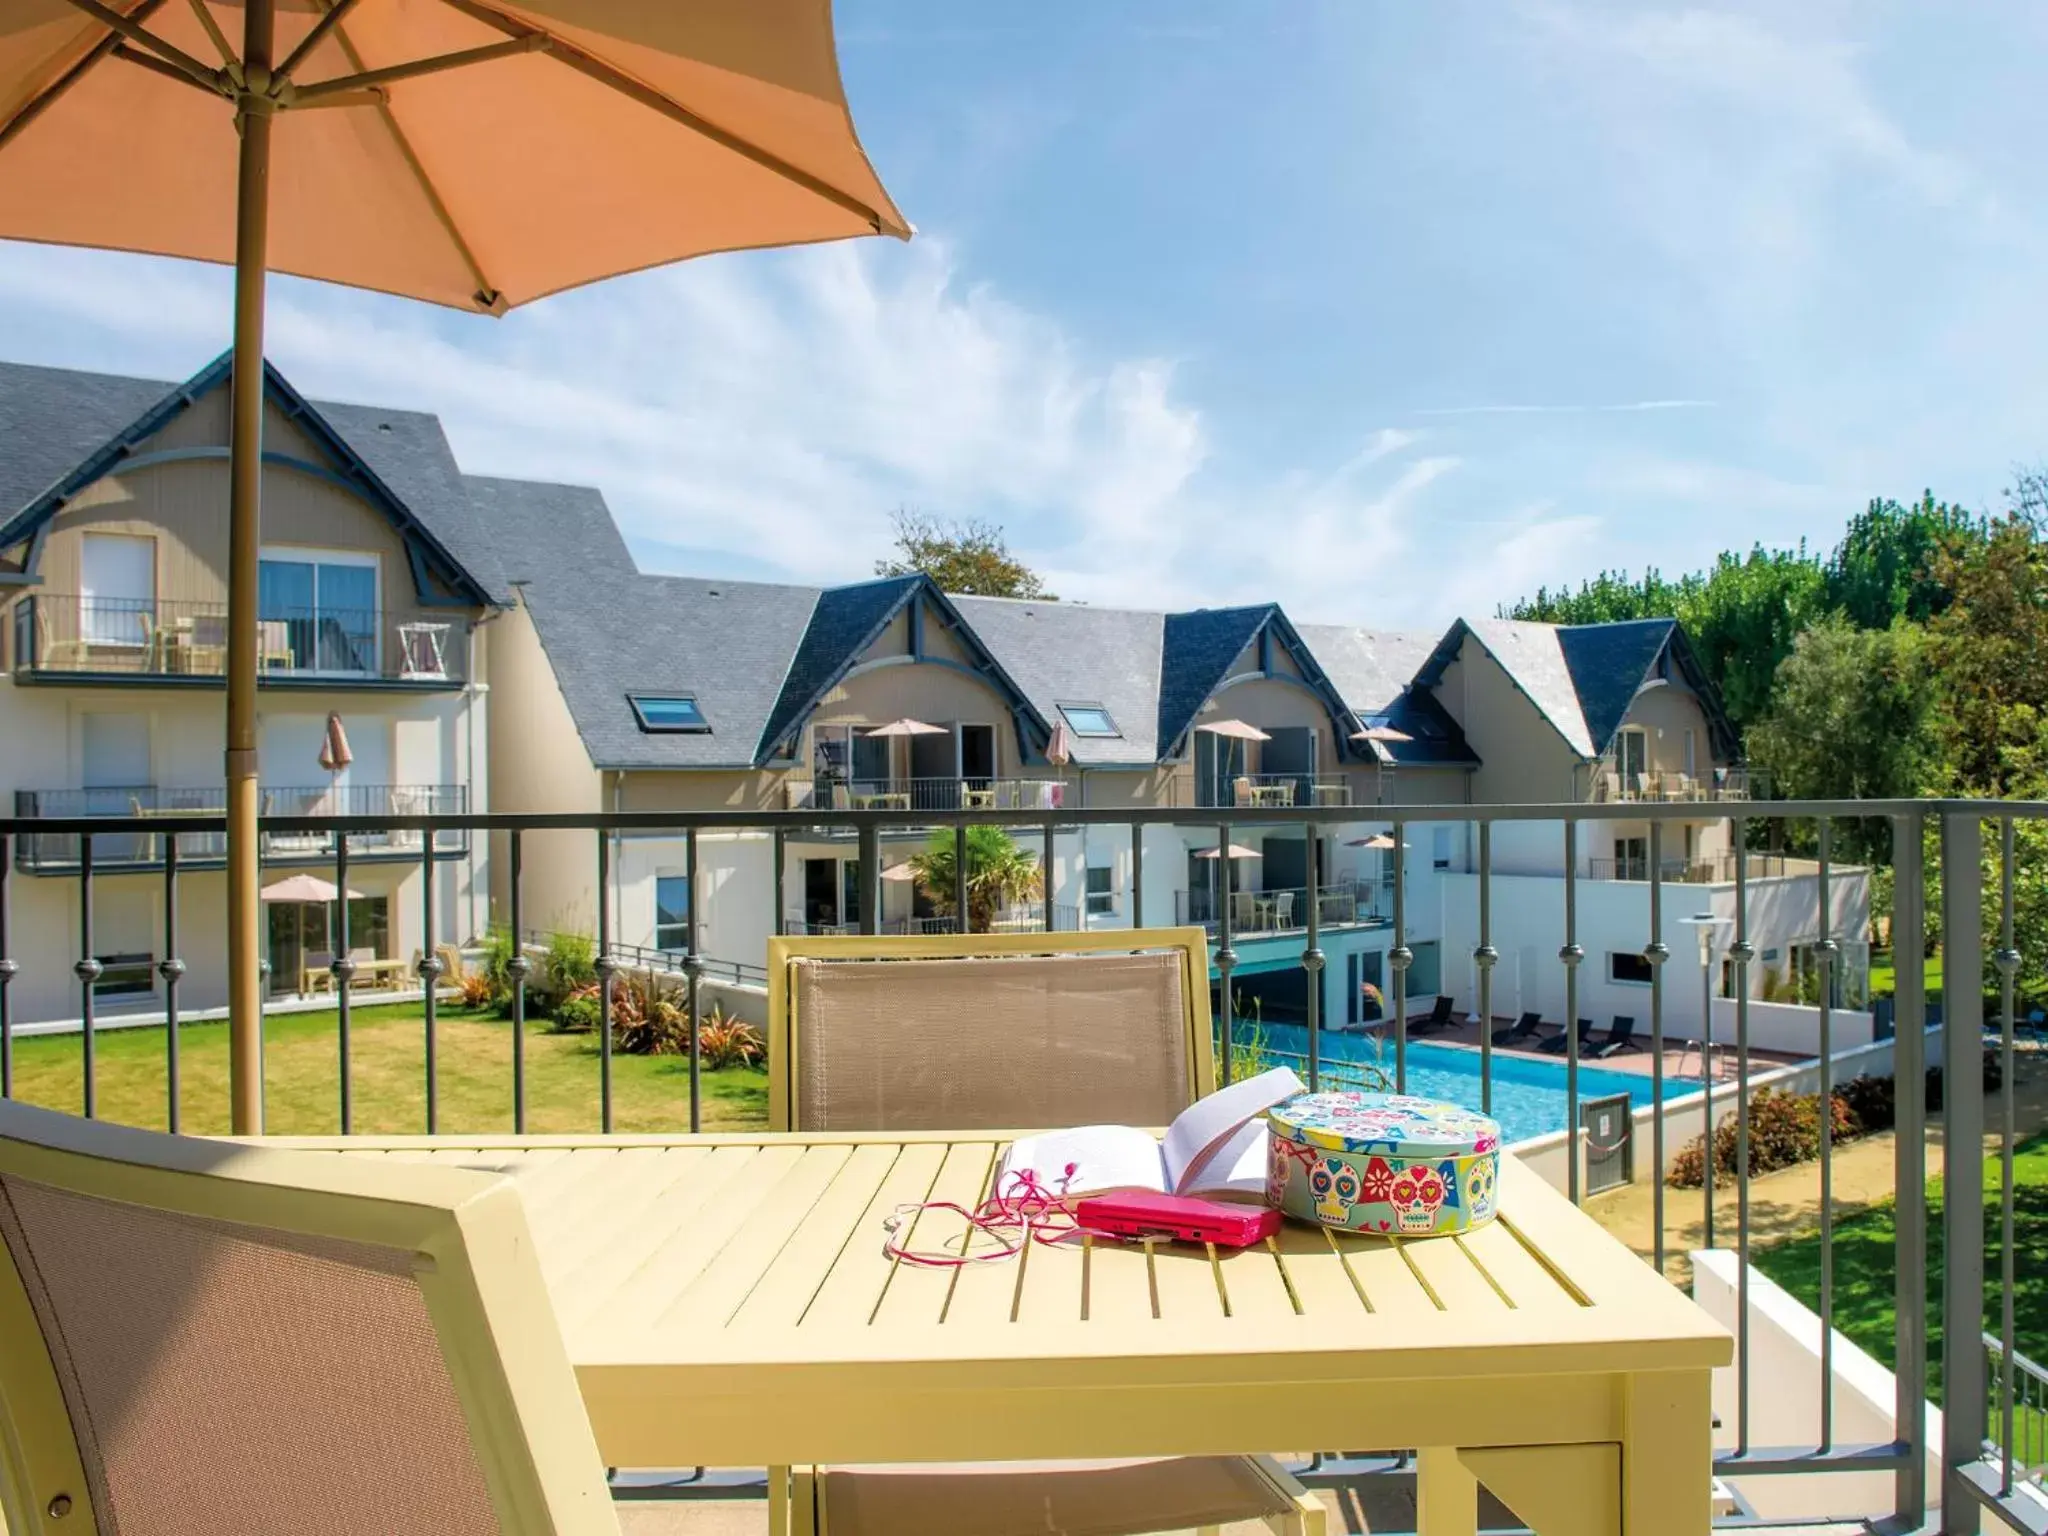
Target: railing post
[[1400, 957], [1137, 874], [1485, 957], [1825, 949], [693, 974], [1045, 866], [1226, 953], [1741, 952], [430, 976], [87, 969], [605, 967], [1656, 952], [517, 967], [1963, 1396], [1569, 955], [344, 970], [960, 877], [9, 968], [869, 877], [172, 969], [1312, 956], [780, 877], [2007, 959], [1909, 1071]]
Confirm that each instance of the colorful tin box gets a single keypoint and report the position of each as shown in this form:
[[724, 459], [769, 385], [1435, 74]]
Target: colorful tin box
[[1380, 1162]]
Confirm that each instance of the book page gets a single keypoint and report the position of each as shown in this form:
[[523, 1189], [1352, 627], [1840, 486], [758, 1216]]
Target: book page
[[1103, 1157], [1201, 1129], [1237, 1171]]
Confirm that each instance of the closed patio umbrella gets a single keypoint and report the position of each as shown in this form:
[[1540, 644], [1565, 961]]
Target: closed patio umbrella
[[473, 154], [1059, 747]]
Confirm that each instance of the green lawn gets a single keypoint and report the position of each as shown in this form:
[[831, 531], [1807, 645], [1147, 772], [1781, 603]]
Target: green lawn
[[301, 1073], [1866, 1260], [1884, 976]]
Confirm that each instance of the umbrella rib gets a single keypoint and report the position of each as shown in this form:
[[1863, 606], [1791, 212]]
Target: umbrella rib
[[537, 42], [135, 32], [220, 39], [604, 74], [40, 103], [329, 20], [157, 66], [487, 295]]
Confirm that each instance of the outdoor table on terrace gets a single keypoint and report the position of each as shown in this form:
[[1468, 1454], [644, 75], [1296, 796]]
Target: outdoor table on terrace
[[727, 1302]]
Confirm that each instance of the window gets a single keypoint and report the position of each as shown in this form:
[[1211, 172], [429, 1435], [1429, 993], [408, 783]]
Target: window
[[1628, 969], [1089, 720], [672, 912], [1425, 971], [1440, 846], [1631, 858], [1690, 770], [116, 589], [1632, 757], [326, 606], [667, 712], [1101, 888], [127, 974]]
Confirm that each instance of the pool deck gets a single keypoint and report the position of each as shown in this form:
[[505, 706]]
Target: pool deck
[[1681, 1059]]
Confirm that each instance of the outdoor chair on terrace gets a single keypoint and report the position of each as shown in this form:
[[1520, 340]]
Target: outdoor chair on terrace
[[977, 1031], [212, 1337], [1622, 1037], [1241, 791], [1521, 1031], [1555, 1045]]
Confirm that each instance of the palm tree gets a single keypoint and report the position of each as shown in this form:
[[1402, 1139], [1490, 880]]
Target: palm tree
[[999, 875]]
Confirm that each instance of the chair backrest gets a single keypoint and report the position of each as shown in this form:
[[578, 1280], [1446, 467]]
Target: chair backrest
[[207, 1336], [1624, 1027], [1529, 1022], [1283, 909], [209, 629], [1244, 908], [945, 1032], [1241, 791]]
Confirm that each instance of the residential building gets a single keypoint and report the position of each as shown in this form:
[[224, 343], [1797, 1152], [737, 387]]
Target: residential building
[[377, 597], [632, 692]]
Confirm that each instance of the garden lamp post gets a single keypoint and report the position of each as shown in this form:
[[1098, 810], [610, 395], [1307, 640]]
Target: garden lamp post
[[1706, 925]]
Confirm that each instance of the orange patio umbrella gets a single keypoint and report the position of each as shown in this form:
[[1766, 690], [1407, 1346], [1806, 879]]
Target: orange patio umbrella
[[473, 154]]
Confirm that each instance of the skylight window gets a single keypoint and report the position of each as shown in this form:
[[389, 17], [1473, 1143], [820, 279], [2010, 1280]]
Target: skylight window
[[1089, 720], [666, 712]]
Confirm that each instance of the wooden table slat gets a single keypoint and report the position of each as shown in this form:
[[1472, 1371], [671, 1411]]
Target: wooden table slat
[[914, 1292], [1385, 1277], [1529, 1286], [723, 1284], [1118, 1283], [676, 1184], [849, 1213], [846, 1297]]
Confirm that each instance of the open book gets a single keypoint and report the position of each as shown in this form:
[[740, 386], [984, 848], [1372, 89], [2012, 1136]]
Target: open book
[[1215, 1149]]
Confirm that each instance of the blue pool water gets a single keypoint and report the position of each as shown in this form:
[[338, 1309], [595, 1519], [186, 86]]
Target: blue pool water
[[1528, 1094]]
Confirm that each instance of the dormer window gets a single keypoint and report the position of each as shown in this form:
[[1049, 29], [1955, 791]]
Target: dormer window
[[1089, 720], [666, 713]]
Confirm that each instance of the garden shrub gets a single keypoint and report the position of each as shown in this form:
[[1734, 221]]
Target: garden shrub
[[580, 1012]]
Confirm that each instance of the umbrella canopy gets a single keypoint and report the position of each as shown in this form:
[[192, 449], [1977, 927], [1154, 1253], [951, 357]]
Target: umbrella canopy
[[906, 728], [1237, 851], [476, 155], [1380, 733], [334, 752], [903, 871], [1377, 840], [1236, 730], [306, 888], [469, 153], [1059, 747]]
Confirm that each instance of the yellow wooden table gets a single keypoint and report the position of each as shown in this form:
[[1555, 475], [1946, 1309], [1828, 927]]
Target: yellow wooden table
[[727, 1302]]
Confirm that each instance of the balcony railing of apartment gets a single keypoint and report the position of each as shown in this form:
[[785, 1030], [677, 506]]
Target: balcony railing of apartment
[[1718, 870], [1258, 791], [1983, 1456], [665, 963], [1614, 782], [166, 813], [58, 635], [928, 794], [1022, 919], [1341, 905]]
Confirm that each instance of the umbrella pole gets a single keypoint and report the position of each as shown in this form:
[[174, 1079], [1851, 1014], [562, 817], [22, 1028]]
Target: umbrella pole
[[245, 481]]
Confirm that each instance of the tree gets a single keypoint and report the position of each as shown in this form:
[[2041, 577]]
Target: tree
[[967, 556], [999, 874], [1990, 650], [1852, 718], [1884, 568]]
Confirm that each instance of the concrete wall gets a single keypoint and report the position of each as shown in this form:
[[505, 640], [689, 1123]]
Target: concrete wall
[[1524, 761], [1785, 1397]]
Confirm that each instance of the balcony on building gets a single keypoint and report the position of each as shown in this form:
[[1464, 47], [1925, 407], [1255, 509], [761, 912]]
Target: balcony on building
[[80, 638]]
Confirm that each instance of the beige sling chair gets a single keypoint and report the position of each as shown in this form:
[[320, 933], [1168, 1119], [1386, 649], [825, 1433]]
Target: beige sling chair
[[202, 1336], [1006, 1032]]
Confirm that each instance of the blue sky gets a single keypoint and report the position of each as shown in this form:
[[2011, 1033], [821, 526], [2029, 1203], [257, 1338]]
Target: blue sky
[[1387, 311]]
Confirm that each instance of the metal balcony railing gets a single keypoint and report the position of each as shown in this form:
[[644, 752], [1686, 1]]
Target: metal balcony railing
[[928, 794], [1612, 783], [1258, 791], [1985, 1455], [1719, 870], [1285, 910], [167, 814], [56, 634]]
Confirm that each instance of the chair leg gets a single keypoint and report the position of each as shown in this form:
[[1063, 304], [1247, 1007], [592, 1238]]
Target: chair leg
[[778, 1501]]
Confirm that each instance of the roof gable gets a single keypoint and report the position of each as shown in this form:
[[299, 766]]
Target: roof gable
[[1608, 664], [1198, 650], [845, 622], [113, 448]]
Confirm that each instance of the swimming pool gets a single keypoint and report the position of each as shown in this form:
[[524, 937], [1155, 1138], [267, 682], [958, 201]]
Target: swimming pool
[[1528, 1094]]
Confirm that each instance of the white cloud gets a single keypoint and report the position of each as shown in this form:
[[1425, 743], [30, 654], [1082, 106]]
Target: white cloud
[[767, 415]]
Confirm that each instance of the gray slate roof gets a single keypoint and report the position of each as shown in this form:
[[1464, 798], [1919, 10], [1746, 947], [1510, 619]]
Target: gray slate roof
[[1064, 653], [1370, 667], [52, 419]]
